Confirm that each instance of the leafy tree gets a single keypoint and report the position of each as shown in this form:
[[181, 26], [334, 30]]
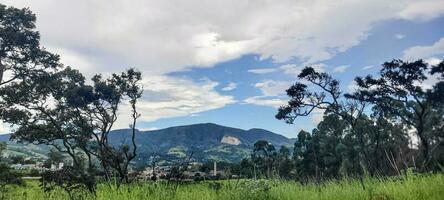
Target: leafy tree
[[17, 159], [53, 105], [54, 158], [398, 92], [71, 179], [264, 156], [2, 148], [305, 155], [348, 141], [7, 176], [109, 95], [21, 56], [46, 111], [323, 93], [78, 118], [246, 168], [284, 163], [329, 134]]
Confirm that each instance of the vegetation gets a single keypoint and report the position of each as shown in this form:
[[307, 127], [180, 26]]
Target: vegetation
[[367, 132], [413, 187], [53, 105], [7, 176], [361, 150]]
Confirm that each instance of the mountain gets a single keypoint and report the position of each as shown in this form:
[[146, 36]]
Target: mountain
[[4, 138], [207, 142]]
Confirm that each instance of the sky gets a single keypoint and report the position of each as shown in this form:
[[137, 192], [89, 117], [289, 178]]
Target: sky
[[230, 61]]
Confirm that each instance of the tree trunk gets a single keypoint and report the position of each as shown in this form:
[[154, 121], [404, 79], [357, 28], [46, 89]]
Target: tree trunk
[[2, 71], [424, 146]]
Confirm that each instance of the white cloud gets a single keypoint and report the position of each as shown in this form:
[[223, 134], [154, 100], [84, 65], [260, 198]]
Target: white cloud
[[368, 67], [159, 37], [431, 79], [166, 97], [265, 101], [399, 36], [352, 87], [272, 93], [76, 60], [430, 56], [273, 88], [230, 86], [148, 129], [422, 10], [340, 69], [262, 70], [433, 61], [317, 115], [166, 36], [423, 52]]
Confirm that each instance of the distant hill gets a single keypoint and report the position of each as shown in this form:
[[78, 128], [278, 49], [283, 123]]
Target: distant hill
[[207, 142], [4, 138]]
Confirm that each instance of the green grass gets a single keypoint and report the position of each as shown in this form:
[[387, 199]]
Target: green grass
[[416, 187]]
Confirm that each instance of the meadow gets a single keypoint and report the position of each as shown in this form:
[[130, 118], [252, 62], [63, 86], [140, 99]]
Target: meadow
[[412, 187]]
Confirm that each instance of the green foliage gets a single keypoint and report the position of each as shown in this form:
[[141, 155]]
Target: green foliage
[[367, 132], [20, 53], [264, 157], [53, 105], [54, 158], [398, 93], [2, 148], [7, 176]]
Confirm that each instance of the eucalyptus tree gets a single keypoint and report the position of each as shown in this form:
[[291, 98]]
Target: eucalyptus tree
[[264, 156], [284, 163], [399, 91], [318, 91], [305, 155]]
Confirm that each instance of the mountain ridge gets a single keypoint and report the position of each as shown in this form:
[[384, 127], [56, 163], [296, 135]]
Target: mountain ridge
[[207, 141]]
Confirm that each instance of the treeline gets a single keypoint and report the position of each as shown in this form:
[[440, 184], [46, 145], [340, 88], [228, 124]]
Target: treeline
[[390, 123]]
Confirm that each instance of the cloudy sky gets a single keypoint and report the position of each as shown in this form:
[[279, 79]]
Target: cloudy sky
[[230, 61]]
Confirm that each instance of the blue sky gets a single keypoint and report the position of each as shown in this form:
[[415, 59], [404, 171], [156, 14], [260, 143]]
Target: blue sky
[[385, 42], [229, 62]]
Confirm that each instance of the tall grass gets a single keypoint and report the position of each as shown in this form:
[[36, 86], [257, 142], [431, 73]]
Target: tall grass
[[413, 187]]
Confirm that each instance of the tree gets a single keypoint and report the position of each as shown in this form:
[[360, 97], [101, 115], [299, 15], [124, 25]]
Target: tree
[[306, 157], [323, 93], [21, 56], [75, 118], [110, 94], [2, 148], [17, 159], [53, 105], [264, 156], [284, 164], [54, 158], [7, 176], [46, 111], [246, 168], [398, 92], [330, 134]]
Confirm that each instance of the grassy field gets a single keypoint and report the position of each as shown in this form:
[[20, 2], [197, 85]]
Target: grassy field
[[412, 187]]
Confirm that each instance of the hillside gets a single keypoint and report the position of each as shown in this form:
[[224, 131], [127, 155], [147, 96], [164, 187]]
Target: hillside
[[207, 142]]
